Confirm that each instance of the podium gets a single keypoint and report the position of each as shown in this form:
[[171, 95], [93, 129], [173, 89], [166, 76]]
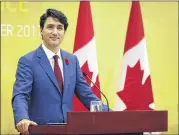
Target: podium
[[116, 122]]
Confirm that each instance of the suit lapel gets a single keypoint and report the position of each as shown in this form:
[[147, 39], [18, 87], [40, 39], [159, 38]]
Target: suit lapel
[[66, 69], [44, 62]]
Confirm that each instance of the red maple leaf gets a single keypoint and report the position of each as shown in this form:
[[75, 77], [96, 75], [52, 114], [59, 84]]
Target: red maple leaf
[[135, 95]]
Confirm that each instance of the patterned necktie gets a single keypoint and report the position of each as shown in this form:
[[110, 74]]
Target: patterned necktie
[[58, 73]]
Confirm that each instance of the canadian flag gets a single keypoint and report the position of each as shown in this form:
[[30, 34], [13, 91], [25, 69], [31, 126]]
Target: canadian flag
[[85, 50], [135, 89]]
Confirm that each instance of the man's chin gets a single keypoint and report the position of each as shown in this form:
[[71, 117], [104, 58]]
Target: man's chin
[[55, 44]]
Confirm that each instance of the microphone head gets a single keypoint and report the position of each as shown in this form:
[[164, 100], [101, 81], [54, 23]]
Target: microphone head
[[85, 74]]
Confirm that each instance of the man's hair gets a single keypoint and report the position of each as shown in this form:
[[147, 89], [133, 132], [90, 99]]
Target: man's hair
[[55, 14]]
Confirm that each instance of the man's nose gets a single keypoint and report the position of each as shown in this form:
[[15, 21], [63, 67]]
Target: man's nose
[[55, 31]]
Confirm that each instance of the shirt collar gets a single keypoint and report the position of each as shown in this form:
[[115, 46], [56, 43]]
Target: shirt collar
[[49, 53]]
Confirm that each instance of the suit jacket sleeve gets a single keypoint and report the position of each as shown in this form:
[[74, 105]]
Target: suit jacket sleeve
[[83, 90], [21, 90]]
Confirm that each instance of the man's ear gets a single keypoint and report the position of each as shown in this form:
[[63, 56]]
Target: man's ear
[[41, 31]]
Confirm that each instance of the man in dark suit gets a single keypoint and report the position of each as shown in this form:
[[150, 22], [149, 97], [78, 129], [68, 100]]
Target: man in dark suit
[[47, 78]]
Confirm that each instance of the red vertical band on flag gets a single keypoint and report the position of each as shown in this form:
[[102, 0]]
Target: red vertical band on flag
[[84, 28], [135, 31], [85, 49]]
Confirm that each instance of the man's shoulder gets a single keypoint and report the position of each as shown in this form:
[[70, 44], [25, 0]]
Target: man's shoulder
[[67, 54], [30, 56]]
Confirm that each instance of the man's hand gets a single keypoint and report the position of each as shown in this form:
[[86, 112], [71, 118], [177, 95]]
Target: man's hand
[[23, 126]]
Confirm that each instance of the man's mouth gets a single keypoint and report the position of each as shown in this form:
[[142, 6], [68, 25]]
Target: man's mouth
[[54, 38]]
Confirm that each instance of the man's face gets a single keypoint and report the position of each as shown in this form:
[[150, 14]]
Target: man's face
[[53, 32]]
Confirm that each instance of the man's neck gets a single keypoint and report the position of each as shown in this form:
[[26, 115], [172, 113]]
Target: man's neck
[[54, 49]]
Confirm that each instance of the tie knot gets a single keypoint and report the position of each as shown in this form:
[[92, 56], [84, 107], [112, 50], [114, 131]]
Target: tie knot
[[55, 58]]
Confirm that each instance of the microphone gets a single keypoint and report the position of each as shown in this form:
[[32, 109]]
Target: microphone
[[86, 75]]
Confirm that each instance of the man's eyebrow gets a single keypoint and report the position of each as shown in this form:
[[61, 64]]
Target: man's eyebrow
[[54, 24], [49, 24]]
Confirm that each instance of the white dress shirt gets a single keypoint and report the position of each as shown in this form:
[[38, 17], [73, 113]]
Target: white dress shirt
[[50, 55]]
